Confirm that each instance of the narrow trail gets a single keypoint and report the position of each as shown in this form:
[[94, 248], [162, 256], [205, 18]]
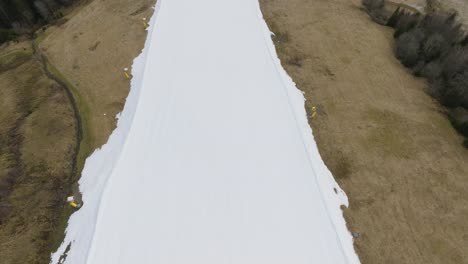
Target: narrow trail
[[74, 175], [43, 61]]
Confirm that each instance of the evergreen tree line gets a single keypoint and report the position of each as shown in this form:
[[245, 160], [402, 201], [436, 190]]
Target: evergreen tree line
[[21, 16], [435, 47]]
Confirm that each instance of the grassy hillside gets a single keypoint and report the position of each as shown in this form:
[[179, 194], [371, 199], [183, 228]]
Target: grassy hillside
[[83, 71]]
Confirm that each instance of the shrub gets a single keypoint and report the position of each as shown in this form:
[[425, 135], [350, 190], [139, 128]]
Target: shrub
[[376, 10], [463, 128], [407, 49], [454, 61], [434, 46], [393, 20], [451, 96], [42, 9], [432, 71], [459, 119], [371, 5], [436, 88], [379, 16], [444, 25], [418, 68]]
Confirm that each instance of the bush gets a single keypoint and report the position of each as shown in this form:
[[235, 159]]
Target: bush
[[376, 10], [372, 5], [433, 49], [406, 22], [463, 128], [379, 16], [459, 119], [445, 25], [434, 46], [393, 20], [454, 62], [432, 71], [436, 88], [456, 91], [407, 49], [418, 68]]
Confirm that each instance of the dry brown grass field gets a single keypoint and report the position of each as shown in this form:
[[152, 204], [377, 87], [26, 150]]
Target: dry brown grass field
[[389, 144], [37, 137]]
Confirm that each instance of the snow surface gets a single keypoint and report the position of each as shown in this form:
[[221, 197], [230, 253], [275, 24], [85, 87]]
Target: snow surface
[[213, 161]]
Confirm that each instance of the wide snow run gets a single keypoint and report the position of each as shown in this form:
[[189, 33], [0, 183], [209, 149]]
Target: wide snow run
[[213, 161]]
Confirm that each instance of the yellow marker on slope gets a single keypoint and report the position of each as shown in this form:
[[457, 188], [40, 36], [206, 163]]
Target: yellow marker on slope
[[126, 73], [144, 22], [314, 112], [72, 203]]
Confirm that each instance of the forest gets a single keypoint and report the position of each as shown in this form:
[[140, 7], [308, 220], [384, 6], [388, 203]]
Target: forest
[[23, 16]]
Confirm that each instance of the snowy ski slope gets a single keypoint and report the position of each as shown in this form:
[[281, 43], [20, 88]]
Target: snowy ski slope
[[213, 161]]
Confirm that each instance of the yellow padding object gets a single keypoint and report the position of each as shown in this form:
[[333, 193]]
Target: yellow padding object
[[73, 205], [314, 112]]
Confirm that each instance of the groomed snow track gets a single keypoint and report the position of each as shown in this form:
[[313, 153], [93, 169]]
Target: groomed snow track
[[213, 161]]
